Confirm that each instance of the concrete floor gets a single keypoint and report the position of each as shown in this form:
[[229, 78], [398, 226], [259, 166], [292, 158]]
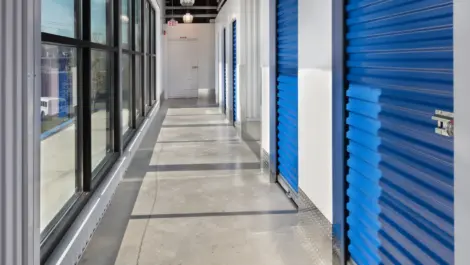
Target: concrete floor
[[195, 195]]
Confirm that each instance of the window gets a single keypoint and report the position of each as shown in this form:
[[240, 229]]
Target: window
[[82, 122], [100, 18], [101, 100], [126, 93], [58, 130], [138, 86], [138, 25], [59, 18], [125, 22]]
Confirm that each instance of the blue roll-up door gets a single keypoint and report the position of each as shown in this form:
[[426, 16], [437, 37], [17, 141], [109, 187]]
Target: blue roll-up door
[[400, 171], [224, 106], [234, 69], [287, 91]]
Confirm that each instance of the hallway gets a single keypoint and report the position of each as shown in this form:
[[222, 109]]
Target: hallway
[[194, 194]]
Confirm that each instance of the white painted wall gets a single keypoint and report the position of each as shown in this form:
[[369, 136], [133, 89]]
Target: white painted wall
[[159, 6], [267, 42], [315, 103], [205, 34]]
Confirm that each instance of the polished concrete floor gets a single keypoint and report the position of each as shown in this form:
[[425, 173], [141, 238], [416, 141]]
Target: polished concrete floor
[[195, 195]]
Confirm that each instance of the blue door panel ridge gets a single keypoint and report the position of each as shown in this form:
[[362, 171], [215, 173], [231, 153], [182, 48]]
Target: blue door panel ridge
[[224, 106], [287, 91], [400, 173], [234, 69]]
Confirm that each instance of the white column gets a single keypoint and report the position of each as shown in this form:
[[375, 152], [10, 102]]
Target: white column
[[19, 131]]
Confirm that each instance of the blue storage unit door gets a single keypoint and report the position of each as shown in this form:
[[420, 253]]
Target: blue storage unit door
[[224, 106], [400, 171], [287, 91], [234, 69]]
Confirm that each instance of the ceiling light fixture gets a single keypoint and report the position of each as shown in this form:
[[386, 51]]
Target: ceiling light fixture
[[188, 18], [172, 22], [187, 2]]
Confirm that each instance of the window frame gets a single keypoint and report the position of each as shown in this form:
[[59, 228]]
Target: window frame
[[87, 180]]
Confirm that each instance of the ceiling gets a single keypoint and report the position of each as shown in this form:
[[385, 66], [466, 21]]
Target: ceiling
[[203, 10]]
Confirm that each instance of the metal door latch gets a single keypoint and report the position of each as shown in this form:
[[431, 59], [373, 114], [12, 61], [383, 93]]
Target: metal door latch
[[445, 123]]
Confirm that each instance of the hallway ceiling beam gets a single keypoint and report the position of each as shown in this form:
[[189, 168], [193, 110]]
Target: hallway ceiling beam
[[191, 7], [195, 15]]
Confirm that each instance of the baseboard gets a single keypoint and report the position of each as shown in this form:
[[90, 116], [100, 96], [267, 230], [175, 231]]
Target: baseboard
[[306, 205], [238, 128], [265, 160], [73, 244]]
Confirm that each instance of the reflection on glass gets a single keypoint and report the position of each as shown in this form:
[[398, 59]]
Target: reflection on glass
[[101, 106], [126, 92], [154, 79], [58, 129], [138, 85], [58, 17], [138, 25], [148, 87], [99, 18], [125, 23], [147, 27]]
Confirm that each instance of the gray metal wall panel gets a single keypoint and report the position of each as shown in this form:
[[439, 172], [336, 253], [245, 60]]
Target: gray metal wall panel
[[462, 131], [19, 131]]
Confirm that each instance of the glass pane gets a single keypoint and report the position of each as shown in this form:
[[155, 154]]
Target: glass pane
[[138, 25], [99, 18], [152, 31], [145, 82], [125, 23], [154, 79], [126, 92], [101, 107], [58, 17], [146, 19], [58, 129], [138, 86], [149, 78]]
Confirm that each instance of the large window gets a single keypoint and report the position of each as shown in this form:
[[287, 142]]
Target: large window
[[93, 98], [58, 129]]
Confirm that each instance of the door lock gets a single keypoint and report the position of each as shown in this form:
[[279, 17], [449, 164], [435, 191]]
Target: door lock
[[445, 123]]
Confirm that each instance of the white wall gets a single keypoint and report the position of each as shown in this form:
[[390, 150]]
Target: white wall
[[315, 103], [267, 38], [159, 6], [205, 34]]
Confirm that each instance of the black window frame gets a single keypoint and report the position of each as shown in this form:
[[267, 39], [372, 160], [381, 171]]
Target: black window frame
[[87, 180]]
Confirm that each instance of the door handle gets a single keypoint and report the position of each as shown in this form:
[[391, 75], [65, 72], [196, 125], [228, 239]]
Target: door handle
[[195, 67]]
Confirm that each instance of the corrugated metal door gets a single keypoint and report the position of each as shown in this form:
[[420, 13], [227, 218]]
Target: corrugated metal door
[[224, 106], [234, 69], [400, 70], [287, 75]]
